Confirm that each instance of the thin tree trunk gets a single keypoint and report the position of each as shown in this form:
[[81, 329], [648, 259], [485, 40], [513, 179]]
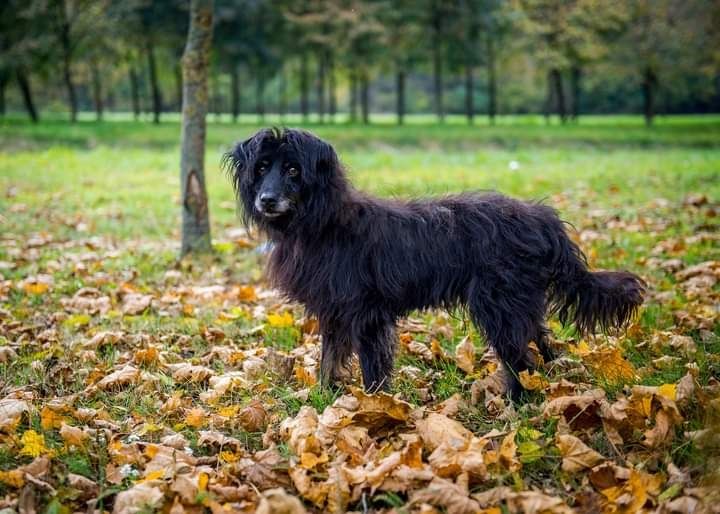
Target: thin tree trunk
[[469, 93], [135, 92], [235, 92], [649, 85], [97, 90], [260, 96], [24, 84], [365, 97], [559, 94], [332, 94], [66, 46], [400, 95], [576, 90], [152, 69], [216, 97], [3, 85], [437, 61], [304, 87], [548, 98], [353, 95], [283, 103], [321, 87], [195, 216], [492, 80]]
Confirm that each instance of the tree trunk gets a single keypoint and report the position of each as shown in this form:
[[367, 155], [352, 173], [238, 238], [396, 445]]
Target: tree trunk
[[332, 96], [353, 95], [649, 86], [559, 94], [469, 93], [492, 80], [3, 85], [260, 96], [135, 92], [321, 87], [216, 97], [437, 61], [400, 95], [548, 98], [195, 216], [178, 87], [66, 47], [24, 85], [283, 100], [576, 90], [97, 90], [365, 97], [152, 69], [235, 92], [304, 87]]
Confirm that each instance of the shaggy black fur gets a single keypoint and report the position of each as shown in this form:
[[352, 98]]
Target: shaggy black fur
[[359, 263]]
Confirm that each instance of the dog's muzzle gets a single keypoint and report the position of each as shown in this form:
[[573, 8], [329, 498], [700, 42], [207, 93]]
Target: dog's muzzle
[[271, 206]]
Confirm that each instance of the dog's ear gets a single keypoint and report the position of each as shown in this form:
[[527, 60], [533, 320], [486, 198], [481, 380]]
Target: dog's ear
[[239, 163], [318, 158]]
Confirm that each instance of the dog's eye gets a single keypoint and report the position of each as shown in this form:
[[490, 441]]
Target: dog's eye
[[262, 168], [293, 171]]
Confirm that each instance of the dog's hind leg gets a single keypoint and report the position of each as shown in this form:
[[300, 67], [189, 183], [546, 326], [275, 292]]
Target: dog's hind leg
[[509, 325], [375, 345], [335, 353], [541, 340]]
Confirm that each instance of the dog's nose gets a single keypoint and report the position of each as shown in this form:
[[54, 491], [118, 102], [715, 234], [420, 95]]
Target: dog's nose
[[268, 200]]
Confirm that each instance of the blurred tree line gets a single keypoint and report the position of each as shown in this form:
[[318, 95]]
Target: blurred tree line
[[322, 57]]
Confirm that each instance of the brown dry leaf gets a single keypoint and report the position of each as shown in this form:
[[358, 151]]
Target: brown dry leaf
[[377, 410], [577, 456], [631, 496], [87, 487], [138, 498], [135, 303], [606, 362], [11, 410], [420, 350], [533, 502], [299, 432], [465, 355], [126, 375], [437, 429], [277, 501], [195, 417], [147, 356], [578, 412], [185, 372], [253, 417], [73, 436], [453, 497]]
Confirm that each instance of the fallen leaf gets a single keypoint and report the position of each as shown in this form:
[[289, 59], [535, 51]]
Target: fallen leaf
[[577, 456]]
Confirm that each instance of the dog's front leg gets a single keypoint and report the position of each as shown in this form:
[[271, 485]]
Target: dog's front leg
[[335, 352], [375, 340]]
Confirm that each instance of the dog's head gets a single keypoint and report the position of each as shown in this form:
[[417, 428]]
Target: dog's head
[[282, 177]]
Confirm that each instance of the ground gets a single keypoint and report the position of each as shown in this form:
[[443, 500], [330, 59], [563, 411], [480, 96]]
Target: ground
[[133, 381]]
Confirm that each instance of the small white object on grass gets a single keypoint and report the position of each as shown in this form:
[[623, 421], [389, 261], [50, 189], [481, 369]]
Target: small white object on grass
[[513, 165]]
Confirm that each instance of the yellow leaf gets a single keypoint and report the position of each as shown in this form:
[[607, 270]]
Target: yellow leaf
[[36, 287], [534, 381], [154, 475], [195, 417], [310, 460], [203, 479], [283, 320], [49, 419], [465, 355], [33, 444], [13, 478], [228, 456], [229, 411], [247, 294], [668, 391]]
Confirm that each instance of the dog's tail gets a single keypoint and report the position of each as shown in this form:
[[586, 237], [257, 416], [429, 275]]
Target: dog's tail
[[592, 300]]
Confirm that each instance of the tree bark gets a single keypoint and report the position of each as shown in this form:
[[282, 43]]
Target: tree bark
[[304, 86], [195, 216], [576, 90], [548, 98], [332, 94], [97, 90], [152, 69], [559, 94], [135, 92], [260, 96], [66, 46], [178, 86], [365, 97], [400, 95], [3, 85], [321, 87], [649, 86], [353, 95], [24, 84], [235, 92], [437, 61], [469, 93], [492, 80]]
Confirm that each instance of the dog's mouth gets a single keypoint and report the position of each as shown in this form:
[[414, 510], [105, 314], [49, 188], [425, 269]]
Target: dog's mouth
[[272, 212]]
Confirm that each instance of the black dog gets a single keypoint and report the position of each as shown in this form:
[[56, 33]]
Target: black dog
[[359, 263]]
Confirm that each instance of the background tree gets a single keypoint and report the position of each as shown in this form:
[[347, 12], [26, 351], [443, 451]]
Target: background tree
[[195, 215]]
